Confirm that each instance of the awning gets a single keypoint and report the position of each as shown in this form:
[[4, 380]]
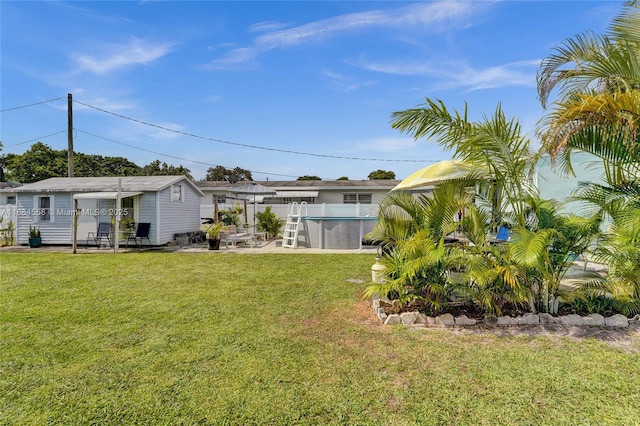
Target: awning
[[297, 194], [106, 195]]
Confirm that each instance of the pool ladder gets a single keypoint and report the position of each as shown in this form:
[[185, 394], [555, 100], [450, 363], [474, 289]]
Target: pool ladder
[[291, 227]]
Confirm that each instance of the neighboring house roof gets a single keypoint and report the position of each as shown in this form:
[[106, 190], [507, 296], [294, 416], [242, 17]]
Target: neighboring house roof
[[306, 185], [97, 184]]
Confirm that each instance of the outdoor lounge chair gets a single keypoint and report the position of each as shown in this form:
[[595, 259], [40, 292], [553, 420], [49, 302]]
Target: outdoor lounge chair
[[232, 237], [142, 232], [502, 236], [103, 232]]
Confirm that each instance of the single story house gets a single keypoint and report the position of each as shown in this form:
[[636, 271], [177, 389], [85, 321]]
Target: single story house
[[171, 204], [315, 193]]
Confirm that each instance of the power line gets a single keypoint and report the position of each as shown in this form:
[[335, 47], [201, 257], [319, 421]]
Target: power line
[[247, 145], [37, 139], [172, 156], [30, 105]]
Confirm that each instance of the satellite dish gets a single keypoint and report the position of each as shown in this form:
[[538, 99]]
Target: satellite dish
[[232, 179]]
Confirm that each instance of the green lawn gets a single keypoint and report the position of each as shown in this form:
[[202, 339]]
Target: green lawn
[[166, 339]]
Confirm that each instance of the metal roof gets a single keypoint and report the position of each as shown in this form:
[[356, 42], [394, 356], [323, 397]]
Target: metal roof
[[100, 184], [305, 185]]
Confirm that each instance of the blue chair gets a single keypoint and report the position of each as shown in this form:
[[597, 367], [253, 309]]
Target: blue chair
[[103, 232], [142, 232], [502, 236]]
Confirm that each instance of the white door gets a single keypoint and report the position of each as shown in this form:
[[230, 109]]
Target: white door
[[87, 218]]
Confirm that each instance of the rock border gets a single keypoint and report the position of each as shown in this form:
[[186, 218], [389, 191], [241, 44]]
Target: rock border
[[418, 319]]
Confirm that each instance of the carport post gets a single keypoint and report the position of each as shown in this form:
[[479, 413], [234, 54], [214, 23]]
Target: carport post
[[116, 231], [75, 224]]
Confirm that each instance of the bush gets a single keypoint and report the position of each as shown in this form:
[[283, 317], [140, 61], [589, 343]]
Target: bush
[[268, 222]]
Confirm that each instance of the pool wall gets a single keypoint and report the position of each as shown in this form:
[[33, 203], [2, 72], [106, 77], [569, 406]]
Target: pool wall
[[334, 232]]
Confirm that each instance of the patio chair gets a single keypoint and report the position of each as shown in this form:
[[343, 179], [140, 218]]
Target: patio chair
[[232, 237], [103, 232], [142, 232], [502, 236]]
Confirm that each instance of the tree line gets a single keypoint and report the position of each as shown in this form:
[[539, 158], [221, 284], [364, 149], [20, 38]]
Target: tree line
[[42, 162]]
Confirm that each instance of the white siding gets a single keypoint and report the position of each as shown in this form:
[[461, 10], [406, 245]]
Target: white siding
[[56, 231], [147, 213], [177, 217]]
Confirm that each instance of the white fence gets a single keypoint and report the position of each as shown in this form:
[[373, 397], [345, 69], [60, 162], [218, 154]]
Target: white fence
[[312, 210]]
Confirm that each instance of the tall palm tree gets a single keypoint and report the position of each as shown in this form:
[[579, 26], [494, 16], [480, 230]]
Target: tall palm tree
[[598, 111], [598, 106], [495, 144]]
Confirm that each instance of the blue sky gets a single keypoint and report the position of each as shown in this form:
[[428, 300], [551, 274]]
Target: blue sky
[[246, 84]]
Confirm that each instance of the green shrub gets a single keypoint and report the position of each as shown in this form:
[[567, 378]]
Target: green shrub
[[268, 222]]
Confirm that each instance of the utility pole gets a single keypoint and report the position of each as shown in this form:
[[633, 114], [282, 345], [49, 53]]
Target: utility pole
[[70, 133]]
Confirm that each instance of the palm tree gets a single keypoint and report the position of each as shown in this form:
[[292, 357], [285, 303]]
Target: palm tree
[[419, 265], [400, 215], [412, 230], [619, 246], [494, 144], [598, 110], [621, 250], [549, 249], [416, 269], [490, 279]]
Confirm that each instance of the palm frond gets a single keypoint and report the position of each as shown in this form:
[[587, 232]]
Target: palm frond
[[528, 247]]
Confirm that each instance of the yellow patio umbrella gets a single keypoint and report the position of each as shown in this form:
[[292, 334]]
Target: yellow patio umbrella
[[437, 173]]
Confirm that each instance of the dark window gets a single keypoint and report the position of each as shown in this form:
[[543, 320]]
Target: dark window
[[357, 198], [44, 209]]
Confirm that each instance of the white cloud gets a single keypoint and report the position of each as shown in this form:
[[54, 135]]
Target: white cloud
[[521, 74], [267, 26], [424, 15], [461, 75], [413, 15], [241, 58], [117, 56]]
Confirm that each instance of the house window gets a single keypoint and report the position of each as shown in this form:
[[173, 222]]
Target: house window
[[11, 199], [44, 205], [128, 209], [221, 199], [177, 193], [356, 198]]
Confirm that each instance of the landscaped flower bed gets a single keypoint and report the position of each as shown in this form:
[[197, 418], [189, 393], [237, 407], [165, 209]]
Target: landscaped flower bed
[[382, 309]]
